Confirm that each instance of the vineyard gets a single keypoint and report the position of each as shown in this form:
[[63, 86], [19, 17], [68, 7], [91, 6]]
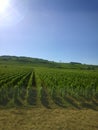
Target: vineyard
[[51, 88]]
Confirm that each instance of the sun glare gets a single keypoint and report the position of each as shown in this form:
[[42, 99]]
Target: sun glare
[[3, 5], [12, 12]]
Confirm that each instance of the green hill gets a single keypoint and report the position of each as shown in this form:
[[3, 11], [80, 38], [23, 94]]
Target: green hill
[[11, 60]]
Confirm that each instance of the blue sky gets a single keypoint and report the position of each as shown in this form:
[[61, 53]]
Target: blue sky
[[57, 30]]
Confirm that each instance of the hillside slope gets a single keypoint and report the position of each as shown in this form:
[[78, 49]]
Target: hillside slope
[[6, 60]]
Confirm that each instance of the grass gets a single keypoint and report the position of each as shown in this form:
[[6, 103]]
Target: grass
[[48, 119]]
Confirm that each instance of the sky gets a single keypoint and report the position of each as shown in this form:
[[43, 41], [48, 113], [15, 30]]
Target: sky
[[56, 30]]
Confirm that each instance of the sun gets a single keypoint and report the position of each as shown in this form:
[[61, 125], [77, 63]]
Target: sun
[[4, 5], [12, 12]]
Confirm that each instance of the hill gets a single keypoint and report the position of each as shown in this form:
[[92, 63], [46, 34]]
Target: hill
[[11, 60]]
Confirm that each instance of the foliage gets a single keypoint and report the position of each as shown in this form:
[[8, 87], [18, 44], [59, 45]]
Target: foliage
[[29, 86]]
